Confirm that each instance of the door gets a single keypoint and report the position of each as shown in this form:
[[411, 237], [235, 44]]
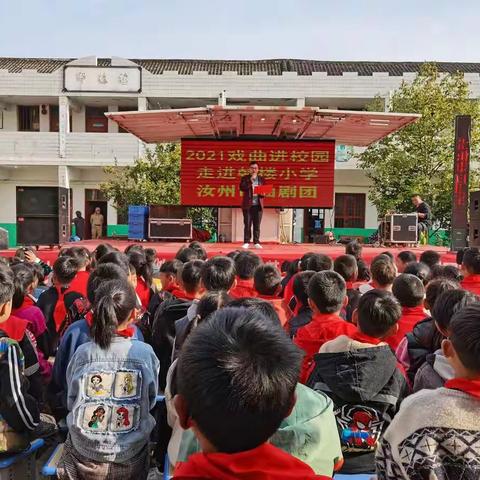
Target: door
[[94, 198], [95, 120]]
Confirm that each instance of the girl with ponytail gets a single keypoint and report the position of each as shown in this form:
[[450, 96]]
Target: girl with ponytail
[[116, 375], [144, 269]]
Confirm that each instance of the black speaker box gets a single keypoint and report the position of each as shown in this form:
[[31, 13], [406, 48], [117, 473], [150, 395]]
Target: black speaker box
[[474, 233], [474, 206]]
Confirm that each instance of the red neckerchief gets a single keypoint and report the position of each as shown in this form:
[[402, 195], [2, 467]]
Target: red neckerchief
[[472, 387], [27, 302], [362, 338], [14, 327], [128, 332], [350, 285], [418, 310], [475, 278]]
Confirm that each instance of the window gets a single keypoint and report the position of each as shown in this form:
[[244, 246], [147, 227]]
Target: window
[[349, 210], [95, 119], [54, 118], [28, 118]]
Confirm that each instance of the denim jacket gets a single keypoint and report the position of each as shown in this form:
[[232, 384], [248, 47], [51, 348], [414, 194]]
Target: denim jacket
[[110, 395]]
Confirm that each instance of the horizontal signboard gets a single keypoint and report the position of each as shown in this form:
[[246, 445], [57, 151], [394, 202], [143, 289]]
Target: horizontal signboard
[[102, 79]]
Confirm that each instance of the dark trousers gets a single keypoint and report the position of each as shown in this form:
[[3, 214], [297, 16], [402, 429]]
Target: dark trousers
[[252, 217]]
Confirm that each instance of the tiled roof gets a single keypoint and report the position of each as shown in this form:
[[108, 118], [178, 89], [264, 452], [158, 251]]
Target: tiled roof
[[244, 67]]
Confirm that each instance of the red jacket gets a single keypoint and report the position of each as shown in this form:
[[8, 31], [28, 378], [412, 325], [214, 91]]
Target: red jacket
[[243, 288], [410, 317], [265, 462], [323, 328], [79, 283], [277, 304], [143, 291], [472, 284]]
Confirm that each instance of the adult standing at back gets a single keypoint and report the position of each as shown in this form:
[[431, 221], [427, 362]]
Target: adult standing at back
[[96, 221], [79, 223], [252, 205]]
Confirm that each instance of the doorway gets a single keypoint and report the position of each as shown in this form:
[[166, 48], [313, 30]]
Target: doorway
[[95, 198], [313, 224]]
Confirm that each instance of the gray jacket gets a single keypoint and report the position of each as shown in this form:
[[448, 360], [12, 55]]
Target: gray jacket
[[433, 373], [110, 395]]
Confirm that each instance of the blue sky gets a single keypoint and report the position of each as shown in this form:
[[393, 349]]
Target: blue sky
[[397, 30]]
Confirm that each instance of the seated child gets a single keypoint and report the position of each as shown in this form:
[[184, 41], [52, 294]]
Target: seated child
[[471, 270], [83, 257], [403, 259], [355, 248], [304, 316], [112, 385], [189, 281], [24, 306], [201, 252], [436, 432], [327, 296], [20, 383], [436, 370], [236, 382], [319, 262], [420, 270], [346, 267], [52, 300], [424, 338], [409, 291], [359, 373], [383, 272], [430, 258], [143, 268], [245, 265], [267, 281], [186, 254]]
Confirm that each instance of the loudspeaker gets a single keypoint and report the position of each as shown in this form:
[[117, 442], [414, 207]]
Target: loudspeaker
[[474, 206], [401, 228], [42, 215], [474, 233], [170, 228]]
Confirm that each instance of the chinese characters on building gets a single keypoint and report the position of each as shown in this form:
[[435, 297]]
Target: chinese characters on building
[[301, 173]]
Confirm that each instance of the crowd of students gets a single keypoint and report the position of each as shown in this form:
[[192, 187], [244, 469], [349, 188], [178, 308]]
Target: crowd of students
[[301, 371]]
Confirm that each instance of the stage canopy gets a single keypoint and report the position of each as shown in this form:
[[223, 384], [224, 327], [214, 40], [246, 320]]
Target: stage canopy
[[284, 123]]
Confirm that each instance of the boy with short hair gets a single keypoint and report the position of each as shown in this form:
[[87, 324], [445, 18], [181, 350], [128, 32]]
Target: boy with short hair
[[369, 387], [327, 295], [403, 259], [168, 275], [430, 258], [409, 291], [245, 265], [304, 316], [384, 272], [436, 433], [420, 270], [471, 270], [319, 262], [267, 281], [346, 267], [218, 273], [189, 281], [243, 358], [355, 248]]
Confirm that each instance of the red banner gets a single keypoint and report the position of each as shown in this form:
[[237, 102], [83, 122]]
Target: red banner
[[301, 172]]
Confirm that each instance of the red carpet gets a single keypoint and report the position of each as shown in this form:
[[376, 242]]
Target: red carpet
[[270, 252]]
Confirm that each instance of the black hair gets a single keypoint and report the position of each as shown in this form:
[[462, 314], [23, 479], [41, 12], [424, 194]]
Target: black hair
[[378, 311], [388, 254], [81, 254], [24, 276], [171, 267], [383, 270], [142, 266], [208, 304], [446, 271], [471, 260], [318, 262], [303, 262], [150, 254], [436, 287], [201, 252], [186, 254], [134, 247], [300, 286], [459, 256], [246, 263], [364, 274], [20, 253], [233, 254], [105, 272], [65, 268], [38, 272], [253, 163], [409, 290], [346, 266], [101, 250], [118, 258], [267, 279], [218, 273], [430, 258], [327, 290], [420, 270], [407, 256], [354, 248], [448, 303], [465, 336], [284, 267], [238, 374], [263, 307], [114, 302], [7, 284], [415, 195], [191, 275]]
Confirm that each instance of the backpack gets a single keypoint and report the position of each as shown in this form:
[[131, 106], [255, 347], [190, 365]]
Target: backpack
[[163, 333], [75, 307]]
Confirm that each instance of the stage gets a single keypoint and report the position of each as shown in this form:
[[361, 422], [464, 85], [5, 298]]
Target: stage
[[270, 252]]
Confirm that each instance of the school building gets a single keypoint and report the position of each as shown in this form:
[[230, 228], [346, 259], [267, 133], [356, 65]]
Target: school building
[[53, 131]]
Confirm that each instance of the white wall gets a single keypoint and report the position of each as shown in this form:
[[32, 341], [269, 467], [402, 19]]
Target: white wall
[[44, 119]]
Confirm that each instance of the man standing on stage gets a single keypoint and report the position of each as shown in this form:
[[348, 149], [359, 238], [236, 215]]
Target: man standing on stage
[[424, 213], [252, 205], [79, 223], [96, 221]]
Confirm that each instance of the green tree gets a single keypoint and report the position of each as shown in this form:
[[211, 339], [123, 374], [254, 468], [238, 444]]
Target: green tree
[[419, 158], [153, 179]]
